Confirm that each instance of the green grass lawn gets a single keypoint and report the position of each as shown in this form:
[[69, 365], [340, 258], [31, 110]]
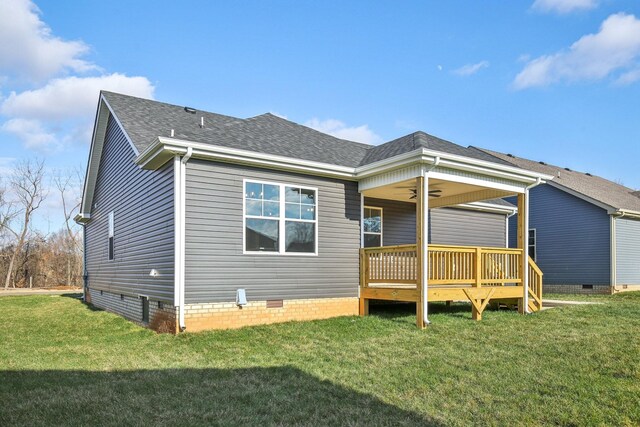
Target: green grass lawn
[[63, 363]]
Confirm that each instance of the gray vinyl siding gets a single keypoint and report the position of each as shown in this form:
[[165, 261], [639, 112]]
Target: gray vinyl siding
[[447, 226], [398, 221], [215, 264], [627, 251], [142, 202], [573, 237]]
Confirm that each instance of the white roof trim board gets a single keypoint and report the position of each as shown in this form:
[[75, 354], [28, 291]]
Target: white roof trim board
[[162, 149]]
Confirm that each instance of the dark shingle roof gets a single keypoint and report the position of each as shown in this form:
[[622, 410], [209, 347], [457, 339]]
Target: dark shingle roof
[[600, 189], [145, 120], [420, 139]]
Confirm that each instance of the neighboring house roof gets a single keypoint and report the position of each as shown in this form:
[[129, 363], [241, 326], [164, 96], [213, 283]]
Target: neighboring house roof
[[595, 188]]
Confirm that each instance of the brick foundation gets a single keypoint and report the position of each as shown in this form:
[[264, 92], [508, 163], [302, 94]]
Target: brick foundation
[[200, 317], [130, 307], [577, 289]]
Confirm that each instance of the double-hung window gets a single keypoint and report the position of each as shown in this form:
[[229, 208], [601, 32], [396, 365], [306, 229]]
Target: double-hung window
[[280, 218], [372, 224]]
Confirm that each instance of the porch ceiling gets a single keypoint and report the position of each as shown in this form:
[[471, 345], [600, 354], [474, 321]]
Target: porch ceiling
[[441, 193]]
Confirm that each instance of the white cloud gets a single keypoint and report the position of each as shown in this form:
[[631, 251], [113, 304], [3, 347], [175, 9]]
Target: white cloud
[[27, 47], [563, 6], [629, 77], [32, 133], [341, 130], [71, 96], [616, 47], [469, 69], [61, 112]]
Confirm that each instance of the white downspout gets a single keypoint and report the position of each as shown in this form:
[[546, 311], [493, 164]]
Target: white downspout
[[180, 232], [425, 242], [613, 251], [525, 249]]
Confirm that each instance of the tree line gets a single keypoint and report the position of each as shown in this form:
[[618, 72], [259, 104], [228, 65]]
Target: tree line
[[30, 257]]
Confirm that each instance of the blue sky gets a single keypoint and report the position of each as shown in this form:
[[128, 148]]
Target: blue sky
[[552, 80]]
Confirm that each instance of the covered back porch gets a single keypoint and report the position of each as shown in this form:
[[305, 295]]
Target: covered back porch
[[421, 272]]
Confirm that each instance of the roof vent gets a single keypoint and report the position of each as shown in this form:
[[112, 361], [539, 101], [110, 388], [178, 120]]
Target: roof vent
[[567, 169], [190, 110], [510, 155], [542, 163], [588, 174]]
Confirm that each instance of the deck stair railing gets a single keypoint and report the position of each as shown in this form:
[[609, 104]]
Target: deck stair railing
[[535, 286]]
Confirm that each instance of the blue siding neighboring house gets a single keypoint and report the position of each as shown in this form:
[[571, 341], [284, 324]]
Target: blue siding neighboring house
[[585, 230]]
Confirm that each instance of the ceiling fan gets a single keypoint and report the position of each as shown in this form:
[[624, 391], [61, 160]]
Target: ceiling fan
[[432, 193]]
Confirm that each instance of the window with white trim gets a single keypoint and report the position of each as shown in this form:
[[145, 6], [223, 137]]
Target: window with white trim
[[110, 249], [372, 223], [280, 218], [532, 244]]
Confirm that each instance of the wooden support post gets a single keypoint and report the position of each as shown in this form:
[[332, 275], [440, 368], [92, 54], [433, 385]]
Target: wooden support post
[[419, 252], [364, 272]]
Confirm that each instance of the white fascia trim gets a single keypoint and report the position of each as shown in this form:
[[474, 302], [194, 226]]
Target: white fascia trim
[[420, 156], [452, 161], [88, 187], [608, 208], [213, 152], [133, 147], [627, 213], [82, 218], [488, 207]]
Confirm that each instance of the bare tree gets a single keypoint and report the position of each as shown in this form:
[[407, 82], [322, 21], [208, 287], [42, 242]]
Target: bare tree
[[7, 211], [66, 182], [27, 187]]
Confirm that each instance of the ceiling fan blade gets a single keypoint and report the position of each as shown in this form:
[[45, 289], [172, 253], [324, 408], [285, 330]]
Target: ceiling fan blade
[[435, 191]]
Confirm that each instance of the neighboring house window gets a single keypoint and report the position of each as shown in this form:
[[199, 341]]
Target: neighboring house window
[[280, 218], [111, 236], [532, 244], [372, 227]]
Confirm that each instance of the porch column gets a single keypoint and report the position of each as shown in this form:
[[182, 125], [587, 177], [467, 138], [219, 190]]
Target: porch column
[[363, 309], [523, 243], [422, 249]]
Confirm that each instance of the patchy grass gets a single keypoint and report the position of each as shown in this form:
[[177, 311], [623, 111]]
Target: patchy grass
[[63, 363]]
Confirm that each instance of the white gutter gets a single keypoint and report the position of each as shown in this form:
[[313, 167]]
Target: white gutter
[[525, 249], [154, 156], [180, 231]]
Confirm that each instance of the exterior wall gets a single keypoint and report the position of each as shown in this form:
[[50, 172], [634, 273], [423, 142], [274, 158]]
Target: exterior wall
[[398, 221], [573, 239], [627, 251], [447, 226], [161, 319], [215, 264], [142, 202], [229, 316]]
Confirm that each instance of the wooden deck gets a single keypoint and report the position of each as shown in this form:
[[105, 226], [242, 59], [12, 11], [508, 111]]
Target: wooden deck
[[477, 274]]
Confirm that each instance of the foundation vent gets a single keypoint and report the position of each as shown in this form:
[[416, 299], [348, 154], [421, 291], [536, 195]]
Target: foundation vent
[[275, 303]]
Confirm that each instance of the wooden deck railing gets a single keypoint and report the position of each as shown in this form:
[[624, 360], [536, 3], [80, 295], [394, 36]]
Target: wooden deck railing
[[448, 265], [535, 286]]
